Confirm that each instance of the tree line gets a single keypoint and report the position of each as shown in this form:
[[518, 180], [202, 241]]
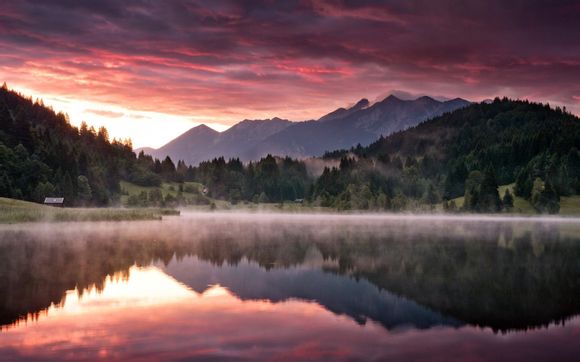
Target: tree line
[[271, 179], [42, 154], [468, 152]]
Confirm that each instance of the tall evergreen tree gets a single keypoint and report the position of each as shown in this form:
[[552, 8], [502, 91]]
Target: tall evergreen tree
[[488, 195], [548, 201], [508, 200]]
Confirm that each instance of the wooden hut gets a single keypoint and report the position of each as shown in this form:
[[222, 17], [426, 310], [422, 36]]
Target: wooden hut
[[54, 201]]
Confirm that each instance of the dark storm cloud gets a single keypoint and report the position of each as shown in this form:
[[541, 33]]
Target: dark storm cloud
[[226, 54]]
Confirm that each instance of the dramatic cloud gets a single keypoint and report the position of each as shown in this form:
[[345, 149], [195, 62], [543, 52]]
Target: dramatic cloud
[[221, 61]]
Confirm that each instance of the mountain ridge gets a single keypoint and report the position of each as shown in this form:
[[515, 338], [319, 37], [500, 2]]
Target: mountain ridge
[[361, 123]]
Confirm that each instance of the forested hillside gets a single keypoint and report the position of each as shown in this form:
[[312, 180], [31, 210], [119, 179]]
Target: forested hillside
[[42, 154], [466, 152]]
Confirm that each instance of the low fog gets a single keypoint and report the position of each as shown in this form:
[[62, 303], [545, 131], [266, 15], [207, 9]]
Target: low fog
[[192, 226], [412, 256]]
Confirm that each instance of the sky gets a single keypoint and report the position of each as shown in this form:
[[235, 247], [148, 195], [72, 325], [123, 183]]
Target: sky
[[150, 70]]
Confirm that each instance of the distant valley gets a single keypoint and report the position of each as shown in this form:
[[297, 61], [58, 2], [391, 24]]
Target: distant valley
[[343, 128]]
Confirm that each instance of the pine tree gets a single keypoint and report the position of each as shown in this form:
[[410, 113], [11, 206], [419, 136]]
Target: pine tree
[[68, 190], [472, 190], [488, 196], [5, 186], [84, 190], [508, 200], [548, 201], [523, 187], [432, 196]]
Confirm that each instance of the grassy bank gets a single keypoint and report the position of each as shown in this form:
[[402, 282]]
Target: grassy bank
[[15, 211], [569, 205], [190, 190], [287, 207], [521, 205]]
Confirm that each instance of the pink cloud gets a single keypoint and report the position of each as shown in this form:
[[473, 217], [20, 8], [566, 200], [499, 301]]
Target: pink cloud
[[231, 61]]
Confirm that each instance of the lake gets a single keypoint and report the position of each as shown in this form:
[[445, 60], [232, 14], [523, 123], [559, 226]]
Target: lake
[[233, 286]]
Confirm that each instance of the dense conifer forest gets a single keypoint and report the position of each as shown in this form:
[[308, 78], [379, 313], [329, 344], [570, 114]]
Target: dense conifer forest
[[464, 153], [468, 152], [41, 155]]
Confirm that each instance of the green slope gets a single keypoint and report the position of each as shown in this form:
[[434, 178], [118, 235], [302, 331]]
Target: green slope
[[167, 188], [569, 205]]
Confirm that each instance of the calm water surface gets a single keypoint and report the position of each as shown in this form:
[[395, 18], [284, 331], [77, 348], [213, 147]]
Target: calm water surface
[[287, 287]]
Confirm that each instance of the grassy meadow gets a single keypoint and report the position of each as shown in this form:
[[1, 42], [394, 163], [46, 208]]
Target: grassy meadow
[[190, 189], [16, 211], [569, 205], [194, 190]]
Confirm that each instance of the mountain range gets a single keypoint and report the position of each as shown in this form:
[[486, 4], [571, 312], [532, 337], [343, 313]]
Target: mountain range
[[343, 128]]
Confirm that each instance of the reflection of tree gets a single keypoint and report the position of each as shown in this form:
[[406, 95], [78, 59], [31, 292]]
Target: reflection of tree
[[480, 281], [36, 274], [502, 275]]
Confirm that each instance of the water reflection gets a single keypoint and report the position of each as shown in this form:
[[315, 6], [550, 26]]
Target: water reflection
[[292, 286], [357, 299]]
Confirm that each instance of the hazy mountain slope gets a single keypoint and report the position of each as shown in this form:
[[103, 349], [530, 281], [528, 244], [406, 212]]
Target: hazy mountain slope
[[246, 134], [203, 143], [345, 127], [344, 112], [192, 145]]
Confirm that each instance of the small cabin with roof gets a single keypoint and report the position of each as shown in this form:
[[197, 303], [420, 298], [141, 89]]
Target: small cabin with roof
[[54, 201]]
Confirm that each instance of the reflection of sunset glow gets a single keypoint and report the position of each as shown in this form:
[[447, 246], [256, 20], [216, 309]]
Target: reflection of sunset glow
[[143, 287], [147, 315], [215, 291]]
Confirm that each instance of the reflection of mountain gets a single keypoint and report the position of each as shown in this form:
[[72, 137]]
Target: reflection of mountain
[[358, 299], [503, 275]]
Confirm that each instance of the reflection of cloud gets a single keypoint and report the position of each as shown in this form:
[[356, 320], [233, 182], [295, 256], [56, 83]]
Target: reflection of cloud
[[134, 320]]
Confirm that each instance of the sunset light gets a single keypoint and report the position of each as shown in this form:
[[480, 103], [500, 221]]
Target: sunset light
[[166, 68], [320, 180]]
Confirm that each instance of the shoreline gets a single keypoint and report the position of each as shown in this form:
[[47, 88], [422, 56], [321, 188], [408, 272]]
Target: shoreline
[[18, 212], [384, 215]]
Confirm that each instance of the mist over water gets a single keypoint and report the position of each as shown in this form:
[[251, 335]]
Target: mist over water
[[284, 286]]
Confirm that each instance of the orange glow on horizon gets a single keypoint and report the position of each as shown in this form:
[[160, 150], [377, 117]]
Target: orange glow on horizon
[[109, 320], [167, 67], [144, 129]]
